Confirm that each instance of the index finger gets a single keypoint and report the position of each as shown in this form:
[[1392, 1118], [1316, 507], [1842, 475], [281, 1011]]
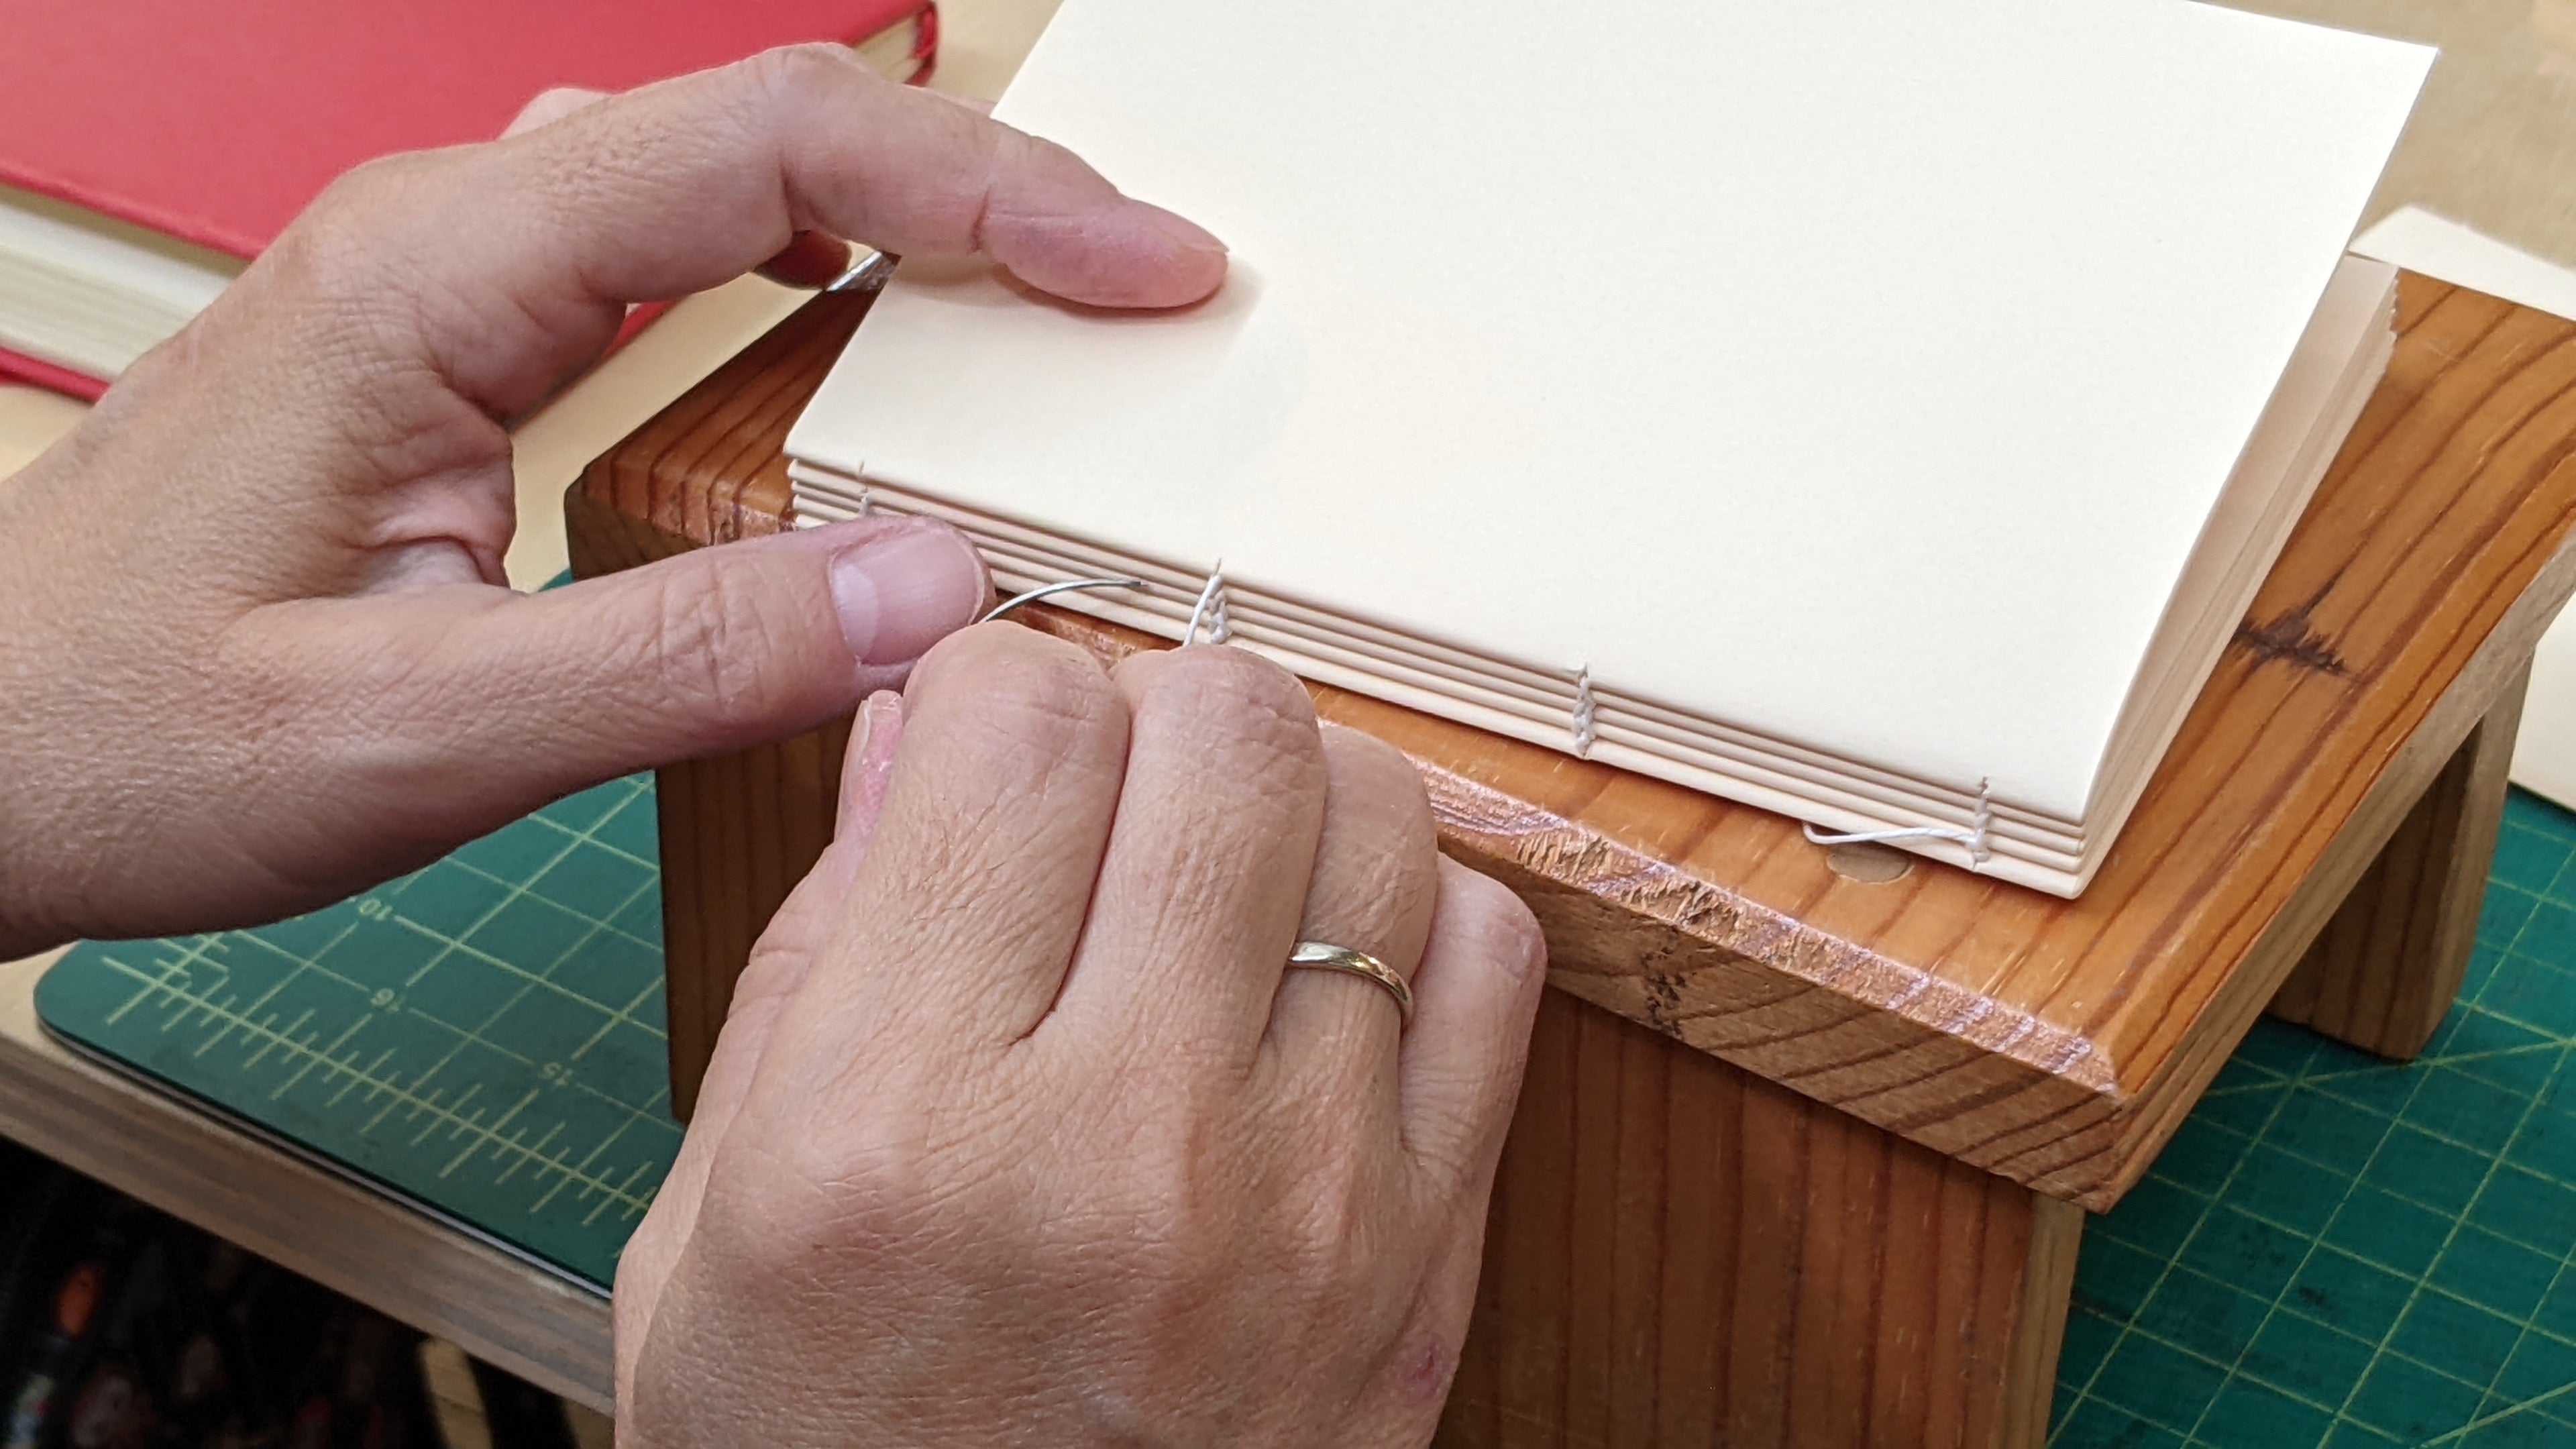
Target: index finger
[[681, 185]]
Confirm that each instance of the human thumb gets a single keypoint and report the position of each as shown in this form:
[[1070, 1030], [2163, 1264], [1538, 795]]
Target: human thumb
[[476, 705]]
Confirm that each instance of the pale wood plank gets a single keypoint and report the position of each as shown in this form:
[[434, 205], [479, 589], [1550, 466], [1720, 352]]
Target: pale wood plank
[[345, 1236]]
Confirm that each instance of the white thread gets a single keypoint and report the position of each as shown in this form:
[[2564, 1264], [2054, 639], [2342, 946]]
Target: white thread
[[1584, 706], [867, 502], [1210, 611], [1974, 837]]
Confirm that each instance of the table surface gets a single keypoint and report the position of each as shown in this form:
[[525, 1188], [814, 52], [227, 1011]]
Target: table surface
[[348, 1237]]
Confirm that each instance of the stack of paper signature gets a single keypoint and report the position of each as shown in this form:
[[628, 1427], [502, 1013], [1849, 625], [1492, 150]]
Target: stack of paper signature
[[1880, 413]]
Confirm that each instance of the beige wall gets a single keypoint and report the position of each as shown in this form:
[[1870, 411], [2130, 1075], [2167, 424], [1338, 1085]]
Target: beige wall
[[2493, 142]]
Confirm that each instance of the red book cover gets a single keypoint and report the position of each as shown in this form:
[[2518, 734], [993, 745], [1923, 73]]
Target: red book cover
[[19, 367], [216, 123]]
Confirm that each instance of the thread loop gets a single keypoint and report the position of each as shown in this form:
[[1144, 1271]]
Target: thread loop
[[1974, 838]]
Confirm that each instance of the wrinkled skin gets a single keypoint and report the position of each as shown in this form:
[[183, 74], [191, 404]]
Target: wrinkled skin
[[259, 650], [1020, 1132]]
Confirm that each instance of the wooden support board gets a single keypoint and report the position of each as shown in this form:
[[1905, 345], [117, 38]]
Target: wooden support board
[[2052, 1042], [1824, 1195]]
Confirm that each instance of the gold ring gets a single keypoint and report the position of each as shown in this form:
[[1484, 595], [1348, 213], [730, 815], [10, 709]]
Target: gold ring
[[1324, 956]]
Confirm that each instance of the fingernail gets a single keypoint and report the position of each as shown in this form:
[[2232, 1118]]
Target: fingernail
[[899, 593], [1181, 229], [881, 730], [869, 765]]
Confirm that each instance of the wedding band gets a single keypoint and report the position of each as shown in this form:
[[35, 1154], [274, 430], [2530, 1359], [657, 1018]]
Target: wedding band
[[1324, 956]]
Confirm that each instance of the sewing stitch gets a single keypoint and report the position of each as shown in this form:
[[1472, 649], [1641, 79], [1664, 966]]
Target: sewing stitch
[[1974, 837], [1210, 610], [1584, 706]]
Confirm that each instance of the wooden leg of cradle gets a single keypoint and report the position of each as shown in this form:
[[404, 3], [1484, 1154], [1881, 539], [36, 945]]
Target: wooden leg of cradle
[[1681, 1253], [2385, 969], [738, 831]]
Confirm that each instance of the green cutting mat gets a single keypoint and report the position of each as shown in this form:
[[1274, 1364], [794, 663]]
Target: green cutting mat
[[2332, 1251], [484, 1036]]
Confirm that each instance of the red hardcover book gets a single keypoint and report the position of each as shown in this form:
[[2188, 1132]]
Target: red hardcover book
[[148, 147], [19, 367]]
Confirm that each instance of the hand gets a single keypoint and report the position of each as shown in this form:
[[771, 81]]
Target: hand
[[1020, 1133], [258, 652]]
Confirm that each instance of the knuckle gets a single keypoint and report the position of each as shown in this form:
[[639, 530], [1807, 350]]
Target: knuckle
[[804, 1188], [718, 644], [1030, 693], [1374, 766], [781, 1220], [337, 241], [365, 187], [1377, 797], [358, 281], [1336, 1227], [1494, 924], [788, 81], [1021, 742], [553, 104], [1169, 1239], [1234, 706]]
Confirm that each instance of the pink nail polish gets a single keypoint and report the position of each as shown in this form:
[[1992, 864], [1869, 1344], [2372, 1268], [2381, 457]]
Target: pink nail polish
[[899, 593]]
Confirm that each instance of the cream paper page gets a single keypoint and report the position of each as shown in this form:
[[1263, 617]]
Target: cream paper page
[[1857, 372]]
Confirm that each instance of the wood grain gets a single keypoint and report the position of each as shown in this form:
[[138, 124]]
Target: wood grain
[[347, 1237], [1680, 1253], [2056, 1043], [738, 831], [2384, 971], [1712, 1229]]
